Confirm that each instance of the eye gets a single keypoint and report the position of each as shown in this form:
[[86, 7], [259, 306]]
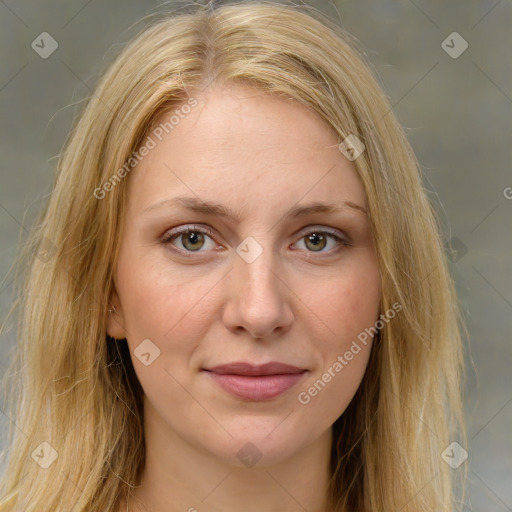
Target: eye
[[191, 238], [317, 239]]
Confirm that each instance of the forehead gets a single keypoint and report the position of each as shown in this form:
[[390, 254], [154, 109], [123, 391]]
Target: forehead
[[241, 146]]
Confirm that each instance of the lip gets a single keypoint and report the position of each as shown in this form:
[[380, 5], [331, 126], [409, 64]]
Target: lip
[[256, 382]]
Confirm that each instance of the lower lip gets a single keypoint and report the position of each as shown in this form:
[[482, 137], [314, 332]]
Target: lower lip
[[260, 388]]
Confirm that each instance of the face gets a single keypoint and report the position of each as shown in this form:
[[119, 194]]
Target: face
[[241, 318]]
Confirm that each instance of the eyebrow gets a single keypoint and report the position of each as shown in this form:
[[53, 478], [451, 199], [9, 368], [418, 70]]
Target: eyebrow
[[209, 208]]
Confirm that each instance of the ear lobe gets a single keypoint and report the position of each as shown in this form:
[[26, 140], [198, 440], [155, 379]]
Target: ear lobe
[[115, 320]]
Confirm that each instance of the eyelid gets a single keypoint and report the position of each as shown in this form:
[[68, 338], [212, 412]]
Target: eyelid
[[189, 228], [324, 229]]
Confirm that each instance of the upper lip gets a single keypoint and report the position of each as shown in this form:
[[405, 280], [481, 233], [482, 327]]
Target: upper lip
[[242, 368]]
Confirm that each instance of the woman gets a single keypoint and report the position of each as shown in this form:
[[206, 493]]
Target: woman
[[238, 297]]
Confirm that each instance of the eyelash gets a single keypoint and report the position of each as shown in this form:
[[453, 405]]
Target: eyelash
[[169, 237]]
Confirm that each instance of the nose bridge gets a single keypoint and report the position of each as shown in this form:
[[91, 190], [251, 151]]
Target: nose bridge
[[256, 271], [260, 302]]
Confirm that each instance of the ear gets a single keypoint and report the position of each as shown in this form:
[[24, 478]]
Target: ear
[[115, 321]]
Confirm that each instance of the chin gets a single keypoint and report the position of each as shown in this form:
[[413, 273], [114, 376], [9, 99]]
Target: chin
[[259, 442]]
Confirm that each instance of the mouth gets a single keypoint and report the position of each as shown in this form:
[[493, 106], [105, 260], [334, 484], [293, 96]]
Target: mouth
[[256, 382]]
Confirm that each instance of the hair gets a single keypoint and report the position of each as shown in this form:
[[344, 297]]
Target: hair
[[74, 387]]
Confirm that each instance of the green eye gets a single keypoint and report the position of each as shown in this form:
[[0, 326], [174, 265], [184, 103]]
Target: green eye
[[194, 238], [317, 240]]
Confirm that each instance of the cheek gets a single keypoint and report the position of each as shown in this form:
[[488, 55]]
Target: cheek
[[347, 305], [348, 302], [159, 302], [171, 310]]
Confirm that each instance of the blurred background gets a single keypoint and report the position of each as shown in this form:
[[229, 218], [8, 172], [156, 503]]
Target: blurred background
[[447, 70]]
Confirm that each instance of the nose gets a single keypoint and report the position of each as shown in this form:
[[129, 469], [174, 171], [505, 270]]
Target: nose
[[260, 300]]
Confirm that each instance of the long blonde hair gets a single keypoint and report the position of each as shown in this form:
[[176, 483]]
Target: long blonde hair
[[74, 388]]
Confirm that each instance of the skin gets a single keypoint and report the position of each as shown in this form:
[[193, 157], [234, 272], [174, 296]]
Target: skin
[[297, 303]]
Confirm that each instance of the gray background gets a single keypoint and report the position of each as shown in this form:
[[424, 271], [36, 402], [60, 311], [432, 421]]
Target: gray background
[[457, 113]]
